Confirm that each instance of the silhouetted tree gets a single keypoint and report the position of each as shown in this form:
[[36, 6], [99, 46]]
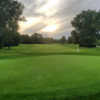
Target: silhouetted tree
[[87, 28], [10, 14], [25, 39], [11, 39], [70, 40], [37, 38]]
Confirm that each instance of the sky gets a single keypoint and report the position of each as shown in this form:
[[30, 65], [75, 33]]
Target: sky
[[53, 17]]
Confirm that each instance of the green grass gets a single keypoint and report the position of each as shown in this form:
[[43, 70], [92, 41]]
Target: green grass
[[49, 72]]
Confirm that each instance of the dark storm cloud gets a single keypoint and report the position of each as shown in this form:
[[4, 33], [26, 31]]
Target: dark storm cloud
[[64, 12]]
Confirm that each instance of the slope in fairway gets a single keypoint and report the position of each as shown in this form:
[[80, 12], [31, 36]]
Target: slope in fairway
[[43, 77]]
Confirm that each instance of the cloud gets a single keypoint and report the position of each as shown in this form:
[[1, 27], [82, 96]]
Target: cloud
[[53, 12]]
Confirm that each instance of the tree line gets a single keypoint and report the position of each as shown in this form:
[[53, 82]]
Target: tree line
[[10, 13], [37, 38], [86, 25]]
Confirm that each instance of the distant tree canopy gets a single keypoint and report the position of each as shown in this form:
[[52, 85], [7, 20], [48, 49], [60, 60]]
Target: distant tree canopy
[[63, 40], [10, 14], [36, 38], [86, 28]]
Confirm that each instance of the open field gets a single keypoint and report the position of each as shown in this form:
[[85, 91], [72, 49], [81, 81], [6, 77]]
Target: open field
[[49, 72]]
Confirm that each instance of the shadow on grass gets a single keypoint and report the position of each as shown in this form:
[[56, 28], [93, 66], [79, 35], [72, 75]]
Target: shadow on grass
[[22, 55], [42, 97]]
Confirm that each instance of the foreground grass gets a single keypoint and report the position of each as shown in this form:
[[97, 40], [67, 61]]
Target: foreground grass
[[49, 72]]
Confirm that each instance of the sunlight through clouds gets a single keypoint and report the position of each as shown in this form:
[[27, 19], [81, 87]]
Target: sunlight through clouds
[[49, 8], [30, 21], [53, 17], [50, 28]]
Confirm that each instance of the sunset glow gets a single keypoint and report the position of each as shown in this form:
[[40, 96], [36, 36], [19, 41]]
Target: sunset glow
[[30, 21], [51, 28], [53, 16]]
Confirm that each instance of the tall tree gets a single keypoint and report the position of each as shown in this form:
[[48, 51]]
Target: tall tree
[[87, 27], [10, 14]]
